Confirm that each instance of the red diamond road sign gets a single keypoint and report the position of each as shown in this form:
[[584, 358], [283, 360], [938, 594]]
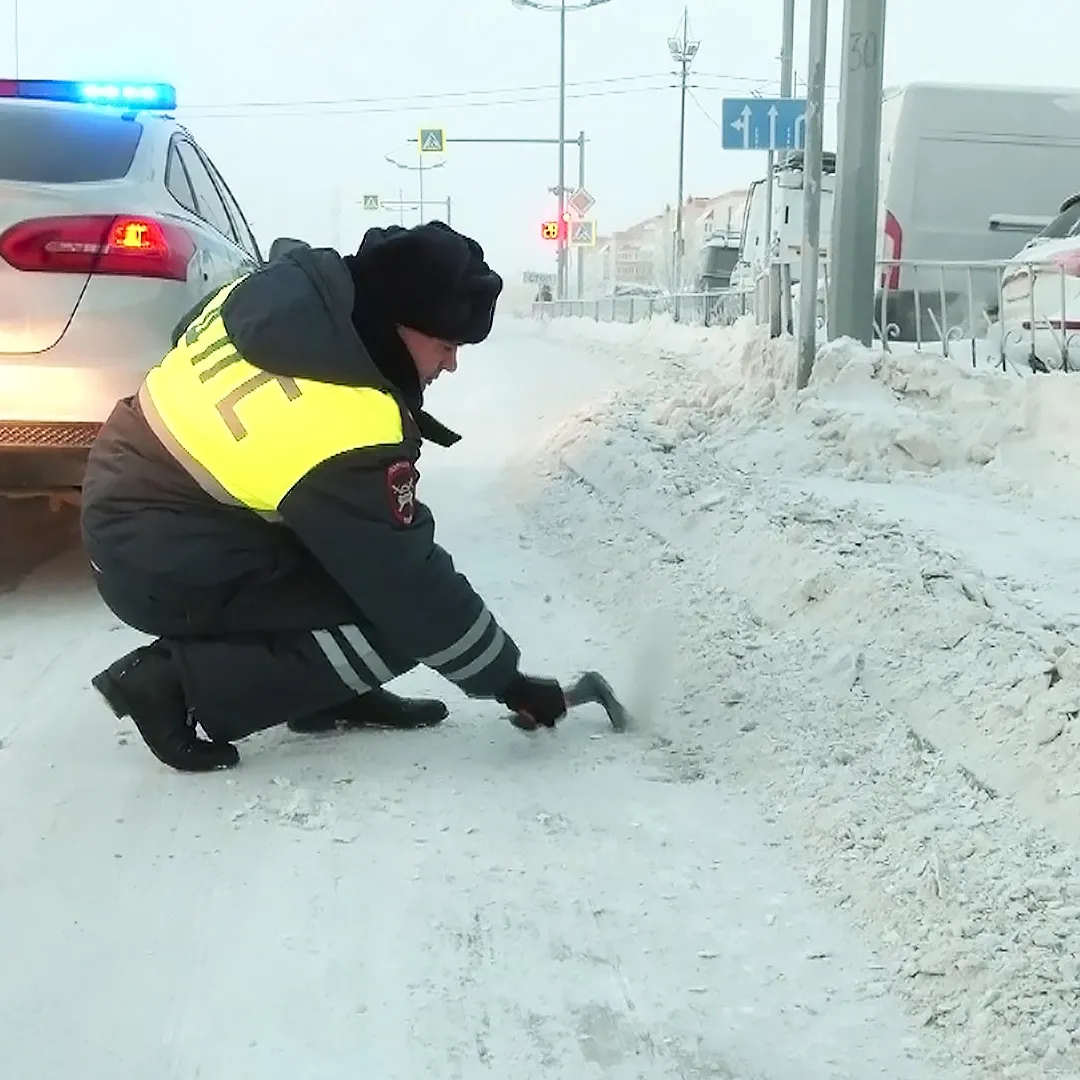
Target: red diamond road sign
[[581, 202]]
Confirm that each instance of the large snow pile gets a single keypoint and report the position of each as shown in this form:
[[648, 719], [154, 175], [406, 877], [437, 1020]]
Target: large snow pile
[[925, 747], [872, 412]]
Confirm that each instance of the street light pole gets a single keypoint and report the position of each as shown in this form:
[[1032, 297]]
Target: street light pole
[[812, 167], [563, 238], [683, 53], [581, 184], [419, 170], [563, 8], [779, 284]]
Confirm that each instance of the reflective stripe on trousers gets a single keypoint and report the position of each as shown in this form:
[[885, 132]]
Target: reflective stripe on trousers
[[354, 659]]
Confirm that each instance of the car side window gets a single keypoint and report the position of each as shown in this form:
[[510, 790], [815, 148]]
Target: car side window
[[211, 208], [177, 182], [240, 225]]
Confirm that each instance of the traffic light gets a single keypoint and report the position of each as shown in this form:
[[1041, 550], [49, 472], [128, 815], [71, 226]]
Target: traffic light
[[550, 230]]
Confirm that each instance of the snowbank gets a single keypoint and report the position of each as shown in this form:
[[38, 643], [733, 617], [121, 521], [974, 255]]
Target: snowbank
[[873, 413], [912, 717], [819, 501]]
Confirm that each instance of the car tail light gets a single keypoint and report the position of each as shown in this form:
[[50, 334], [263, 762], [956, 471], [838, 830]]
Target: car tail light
[[1067, 261], [114, 244], [894, 245]]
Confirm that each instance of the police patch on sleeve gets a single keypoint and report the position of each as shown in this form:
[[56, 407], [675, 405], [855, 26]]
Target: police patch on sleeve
[[401, 477]]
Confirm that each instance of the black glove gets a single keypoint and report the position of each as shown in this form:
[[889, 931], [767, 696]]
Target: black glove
[[537, 702]]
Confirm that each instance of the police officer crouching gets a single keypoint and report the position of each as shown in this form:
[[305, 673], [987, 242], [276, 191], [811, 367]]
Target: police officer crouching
[[254, 507]]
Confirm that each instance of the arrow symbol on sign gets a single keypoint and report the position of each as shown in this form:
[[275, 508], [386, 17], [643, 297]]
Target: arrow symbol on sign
[[743, 125], [773, 114], [799, 132]]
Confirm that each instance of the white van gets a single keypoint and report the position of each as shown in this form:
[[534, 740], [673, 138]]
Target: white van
[[787, 220], [968, 173]]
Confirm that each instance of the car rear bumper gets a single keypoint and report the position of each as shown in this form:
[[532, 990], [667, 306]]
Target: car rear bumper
[[33, 390], [50, 415], [26, 470]]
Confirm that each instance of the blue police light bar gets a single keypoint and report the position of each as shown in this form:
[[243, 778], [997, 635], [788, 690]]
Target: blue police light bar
[[126, 95]]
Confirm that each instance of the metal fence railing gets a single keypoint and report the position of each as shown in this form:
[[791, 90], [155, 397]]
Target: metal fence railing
[[692, 308], [1020, 314]]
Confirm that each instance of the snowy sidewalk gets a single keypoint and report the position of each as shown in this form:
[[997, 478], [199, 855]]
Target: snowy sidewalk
[[872, 588], [468, 902]]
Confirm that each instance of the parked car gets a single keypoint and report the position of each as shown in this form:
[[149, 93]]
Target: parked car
[[968, 173], [114, 223], [1040, 297]]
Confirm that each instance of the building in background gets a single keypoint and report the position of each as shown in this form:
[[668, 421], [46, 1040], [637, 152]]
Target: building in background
[[643, 254]]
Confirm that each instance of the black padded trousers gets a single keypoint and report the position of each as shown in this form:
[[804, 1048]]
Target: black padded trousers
[[261, 652]]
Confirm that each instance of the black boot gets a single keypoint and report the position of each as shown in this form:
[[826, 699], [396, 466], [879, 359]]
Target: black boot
[[145, 687], [377, 708]]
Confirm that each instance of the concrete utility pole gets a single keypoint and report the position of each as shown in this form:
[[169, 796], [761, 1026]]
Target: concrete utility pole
[[683, 51], [854, 243], [815, 138], [787, 89], [562, 7]]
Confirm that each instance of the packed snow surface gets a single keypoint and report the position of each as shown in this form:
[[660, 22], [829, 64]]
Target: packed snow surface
[[838, 845], [467, 902], [872, 594]]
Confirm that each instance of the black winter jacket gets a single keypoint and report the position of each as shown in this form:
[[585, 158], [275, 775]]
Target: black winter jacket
[[144, 517]]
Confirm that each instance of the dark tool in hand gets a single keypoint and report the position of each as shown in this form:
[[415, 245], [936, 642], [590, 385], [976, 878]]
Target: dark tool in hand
[[591, 688]]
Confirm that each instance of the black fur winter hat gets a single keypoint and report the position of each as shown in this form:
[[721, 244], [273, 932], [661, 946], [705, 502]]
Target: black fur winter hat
[[429, 278]]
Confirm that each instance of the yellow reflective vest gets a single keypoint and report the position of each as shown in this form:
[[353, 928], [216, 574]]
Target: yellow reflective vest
[[245, 435]]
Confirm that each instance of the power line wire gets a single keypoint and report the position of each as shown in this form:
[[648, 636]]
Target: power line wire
[[705, 112], [286, 110], [385, 103], [385, 99]]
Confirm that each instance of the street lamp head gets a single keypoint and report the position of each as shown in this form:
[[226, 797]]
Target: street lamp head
[[682, 50]]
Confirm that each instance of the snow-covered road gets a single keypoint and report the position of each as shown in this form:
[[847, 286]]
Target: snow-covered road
[[472, 902]]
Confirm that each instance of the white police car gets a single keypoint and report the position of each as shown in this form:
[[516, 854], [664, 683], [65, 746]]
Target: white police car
[[114, 223]]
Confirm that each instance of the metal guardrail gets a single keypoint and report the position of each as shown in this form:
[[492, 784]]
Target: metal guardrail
[[1019, 314], [692, 309]]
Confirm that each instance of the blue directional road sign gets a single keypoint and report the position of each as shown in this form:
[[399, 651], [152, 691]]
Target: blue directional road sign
[[763, 123]]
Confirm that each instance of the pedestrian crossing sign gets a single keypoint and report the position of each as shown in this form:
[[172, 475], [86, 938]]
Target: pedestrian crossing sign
[[583, 234], [432, 140], [371, 202]]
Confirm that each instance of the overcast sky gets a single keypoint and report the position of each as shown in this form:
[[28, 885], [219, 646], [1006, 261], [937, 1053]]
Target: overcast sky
[[483, 68]]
